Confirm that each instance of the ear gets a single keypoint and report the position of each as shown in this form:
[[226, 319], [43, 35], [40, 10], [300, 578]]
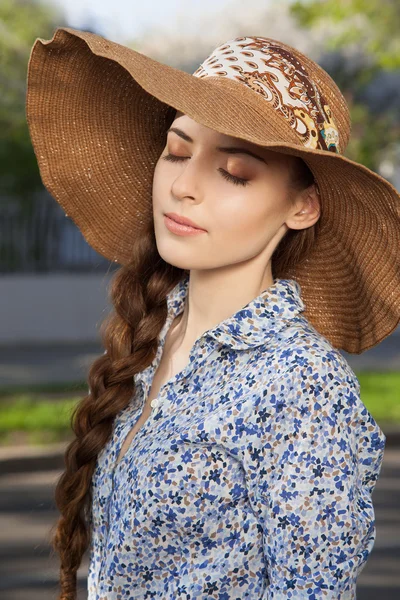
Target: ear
[[306, 209]]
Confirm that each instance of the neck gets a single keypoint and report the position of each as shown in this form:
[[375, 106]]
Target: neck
[[214, 295]]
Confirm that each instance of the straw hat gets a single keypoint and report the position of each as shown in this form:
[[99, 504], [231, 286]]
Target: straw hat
[[98, 113]]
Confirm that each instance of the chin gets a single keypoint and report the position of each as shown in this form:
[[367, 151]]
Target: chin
[[176, 259], [179, 257]]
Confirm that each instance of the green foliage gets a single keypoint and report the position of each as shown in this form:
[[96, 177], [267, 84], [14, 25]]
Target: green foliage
[[370, 135], [370, 27], [374, 24], [21, 22]]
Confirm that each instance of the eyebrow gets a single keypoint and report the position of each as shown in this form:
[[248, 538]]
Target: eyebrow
[[226, 149]]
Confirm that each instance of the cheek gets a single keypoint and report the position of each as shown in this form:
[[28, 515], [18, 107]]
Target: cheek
[[245, 212]]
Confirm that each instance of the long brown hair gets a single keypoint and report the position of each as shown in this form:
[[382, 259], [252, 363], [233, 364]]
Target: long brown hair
[[129, 334]]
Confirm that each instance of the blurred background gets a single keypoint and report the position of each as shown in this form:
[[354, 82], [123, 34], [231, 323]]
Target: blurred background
[[53, 286]]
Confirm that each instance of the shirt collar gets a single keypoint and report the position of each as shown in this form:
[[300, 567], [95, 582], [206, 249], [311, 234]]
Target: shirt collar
[[255, 323]]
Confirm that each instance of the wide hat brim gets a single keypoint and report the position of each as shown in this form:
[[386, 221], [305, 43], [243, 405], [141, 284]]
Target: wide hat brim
[[97, 114]]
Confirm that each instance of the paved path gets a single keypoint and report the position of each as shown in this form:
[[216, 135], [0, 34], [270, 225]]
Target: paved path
[[27, 513], [20, 365]]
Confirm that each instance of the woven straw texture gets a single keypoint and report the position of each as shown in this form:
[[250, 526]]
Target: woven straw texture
[[98, 113]]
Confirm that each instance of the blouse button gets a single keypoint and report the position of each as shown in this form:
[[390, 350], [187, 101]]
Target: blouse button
[[155, 402]]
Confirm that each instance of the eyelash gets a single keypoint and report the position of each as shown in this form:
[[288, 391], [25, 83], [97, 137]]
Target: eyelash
[[232, 178]]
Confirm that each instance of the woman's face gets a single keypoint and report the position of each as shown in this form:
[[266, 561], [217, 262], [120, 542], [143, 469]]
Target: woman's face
[[240, 200]]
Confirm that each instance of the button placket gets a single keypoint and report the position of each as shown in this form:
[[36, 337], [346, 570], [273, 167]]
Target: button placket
[[200, 352], [155, 402]]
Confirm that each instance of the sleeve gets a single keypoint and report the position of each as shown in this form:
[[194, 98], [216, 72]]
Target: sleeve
[[312, 462]]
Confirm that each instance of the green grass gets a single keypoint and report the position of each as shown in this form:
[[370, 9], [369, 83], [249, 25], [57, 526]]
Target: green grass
[[29, 418], [42, 414], [380, 392]]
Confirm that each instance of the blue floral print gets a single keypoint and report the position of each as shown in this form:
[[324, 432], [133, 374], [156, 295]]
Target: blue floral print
[[253, 475]]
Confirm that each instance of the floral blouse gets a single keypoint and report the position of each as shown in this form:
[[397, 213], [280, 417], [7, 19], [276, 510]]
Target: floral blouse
[[253, 475]]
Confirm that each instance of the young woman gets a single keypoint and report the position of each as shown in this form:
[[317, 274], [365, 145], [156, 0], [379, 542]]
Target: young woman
[[223, 450]]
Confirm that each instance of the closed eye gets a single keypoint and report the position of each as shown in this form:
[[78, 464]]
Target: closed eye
[[225, 174]]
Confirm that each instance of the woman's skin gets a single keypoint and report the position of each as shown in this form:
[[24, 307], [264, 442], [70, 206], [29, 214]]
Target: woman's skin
[[230, 264]]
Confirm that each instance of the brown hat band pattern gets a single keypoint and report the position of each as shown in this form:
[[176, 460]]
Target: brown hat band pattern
[[277, 75]]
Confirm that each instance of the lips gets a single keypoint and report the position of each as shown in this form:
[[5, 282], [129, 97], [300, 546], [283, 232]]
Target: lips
[[183, 220]]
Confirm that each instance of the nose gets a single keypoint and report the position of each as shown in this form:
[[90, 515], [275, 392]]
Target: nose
[[186, 184]]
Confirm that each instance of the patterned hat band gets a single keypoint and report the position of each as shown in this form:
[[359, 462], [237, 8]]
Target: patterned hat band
[[282, 80]]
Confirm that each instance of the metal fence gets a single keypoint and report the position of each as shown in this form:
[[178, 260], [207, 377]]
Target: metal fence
[[45, 241]]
